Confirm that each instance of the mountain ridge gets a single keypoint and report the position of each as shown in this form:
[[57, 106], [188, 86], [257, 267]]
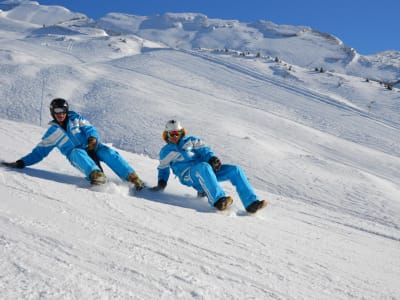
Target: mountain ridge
[[195, 30]]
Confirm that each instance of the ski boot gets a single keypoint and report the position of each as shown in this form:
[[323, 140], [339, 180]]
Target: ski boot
[[97, 177], [256, 205], [223, 203]]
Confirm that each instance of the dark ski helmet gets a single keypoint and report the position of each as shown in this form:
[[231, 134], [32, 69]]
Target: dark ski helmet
[[58, 105]]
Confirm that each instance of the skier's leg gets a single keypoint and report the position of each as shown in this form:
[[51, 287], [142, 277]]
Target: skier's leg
[[93, 155], [203, 175], [115, 161], [80, 159], [239, 179]]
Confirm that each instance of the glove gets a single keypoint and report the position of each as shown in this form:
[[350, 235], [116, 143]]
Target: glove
[[215, 163], [91, 143], [19, 164], [160, 186]]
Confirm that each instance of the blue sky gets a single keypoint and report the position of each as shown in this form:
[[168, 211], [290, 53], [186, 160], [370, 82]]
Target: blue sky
[[367, 26]]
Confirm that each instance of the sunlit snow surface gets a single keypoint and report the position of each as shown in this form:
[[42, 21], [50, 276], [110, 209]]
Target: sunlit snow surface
[[321, 148]]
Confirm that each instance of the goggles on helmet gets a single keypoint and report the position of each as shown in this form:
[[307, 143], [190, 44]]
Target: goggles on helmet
[[175, 133], [60, 110]]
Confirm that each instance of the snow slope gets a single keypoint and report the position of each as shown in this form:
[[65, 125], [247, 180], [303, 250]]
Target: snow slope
[[322, 148], [61, 239]]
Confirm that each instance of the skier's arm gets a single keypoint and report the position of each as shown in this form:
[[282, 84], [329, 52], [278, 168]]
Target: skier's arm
[[89, 130], [206, 153], [48, 142], [163, 175], [163, 170], [32, 158]]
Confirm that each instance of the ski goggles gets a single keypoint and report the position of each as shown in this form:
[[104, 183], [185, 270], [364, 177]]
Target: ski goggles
[[60, 110], [173, 134]]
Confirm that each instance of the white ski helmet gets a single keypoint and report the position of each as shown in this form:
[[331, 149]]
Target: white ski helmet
[[173, 125]]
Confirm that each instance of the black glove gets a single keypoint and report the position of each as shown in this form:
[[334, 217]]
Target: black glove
[[91, 143], [160, 186], [215, 163], [19, 164]]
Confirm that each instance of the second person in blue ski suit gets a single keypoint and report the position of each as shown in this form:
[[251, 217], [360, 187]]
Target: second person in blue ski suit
[[78, 140], [197, 166]]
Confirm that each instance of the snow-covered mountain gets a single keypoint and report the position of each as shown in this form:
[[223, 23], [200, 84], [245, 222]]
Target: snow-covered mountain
[[298, 45], [289, 104]]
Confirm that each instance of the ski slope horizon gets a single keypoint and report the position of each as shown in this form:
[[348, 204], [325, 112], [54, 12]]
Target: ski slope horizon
[[321, 147]]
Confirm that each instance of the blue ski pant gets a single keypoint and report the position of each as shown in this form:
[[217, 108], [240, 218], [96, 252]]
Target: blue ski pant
[[80, 159], [202, 177]]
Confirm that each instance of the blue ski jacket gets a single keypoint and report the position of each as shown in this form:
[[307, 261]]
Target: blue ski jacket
[[182, 156], [78, 130]]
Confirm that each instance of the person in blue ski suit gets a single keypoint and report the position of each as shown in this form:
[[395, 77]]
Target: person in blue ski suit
[[79, 141], [197, 166]]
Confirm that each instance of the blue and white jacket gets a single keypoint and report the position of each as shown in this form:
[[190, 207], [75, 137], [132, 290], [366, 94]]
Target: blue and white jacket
[[180, 157], [78, 130]]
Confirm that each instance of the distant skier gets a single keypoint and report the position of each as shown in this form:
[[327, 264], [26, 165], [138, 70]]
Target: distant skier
[[78, 140], [196, 165]]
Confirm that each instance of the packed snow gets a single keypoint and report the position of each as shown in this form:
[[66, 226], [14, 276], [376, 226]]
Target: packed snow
[[321, 146]]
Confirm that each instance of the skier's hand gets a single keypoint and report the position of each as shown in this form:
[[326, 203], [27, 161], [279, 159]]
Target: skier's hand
[[91, 143], [215, 163], [160, 186], [19, 164]]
